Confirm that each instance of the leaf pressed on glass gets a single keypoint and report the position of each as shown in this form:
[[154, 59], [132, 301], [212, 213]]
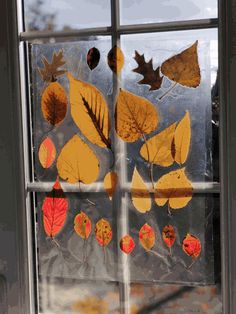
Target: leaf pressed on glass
[[147, 237], [93, 58], [127, 244], [115, 59], [140, 195], [47, 153], [82, 225], [55, 207], [110, 182], [158, 149], [183, 68], [169, 235], [150, 76], [174, 188], [89, 111], [103, 232], [191, 246], [135, 116], [77, 162]]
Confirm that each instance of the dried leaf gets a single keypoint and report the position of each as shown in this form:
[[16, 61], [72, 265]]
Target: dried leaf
[[110, 182], [135, 116], [77, 162], [175, 188], [116, 59], [82, 225], [191, 246], [51, 71], [127, 244], [147, 237], [158, 149], [89, 111], [183, 68], [54, 103], [55, 207], [140, 195], [150, 76], [103, 232], [182, 139], [168, 235], [93, 58], [47, 153]]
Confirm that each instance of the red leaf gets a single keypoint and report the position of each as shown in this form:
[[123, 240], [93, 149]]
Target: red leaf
[[54, 208], [191, 246], [168, 235], [127, 244], [147, 237]]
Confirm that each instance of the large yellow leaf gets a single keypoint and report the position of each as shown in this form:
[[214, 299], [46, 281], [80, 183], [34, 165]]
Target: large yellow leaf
[[110, 182], [77, 162], [183, 68], [89, 111], [182, 139], [175, 188], [135, 116], [139, 193], [158, 149]]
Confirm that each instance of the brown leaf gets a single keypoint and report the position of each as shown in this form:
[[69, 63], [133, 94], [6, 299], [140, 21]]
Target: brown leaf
[[77, 162], [110, 182], [183, 68], [82, 225], [89, 110], [54, 103], [158, 149], [169, 235], [51, 71], [93, 58], [150, 76], [116, 59], [135, 116]]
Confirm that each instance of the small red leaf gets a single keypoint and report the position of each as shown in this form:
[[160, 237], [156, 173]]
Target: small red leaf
[[93, 58], [168, 235], [82, 225], [127, 244], [54, 208], [191, 246], [47, 153], [147, 237]]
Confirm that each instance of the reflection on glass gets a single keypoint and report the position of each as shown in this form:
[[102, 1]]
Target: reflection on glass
[[64, 15], [153, 11]]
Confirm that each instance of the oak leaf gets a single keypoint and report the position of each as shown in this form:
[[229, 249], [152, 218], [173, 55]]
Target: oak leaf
[[159, 148], [150, 76], [77, 162], [135, 116], [110, 182], [89, 110], [115, 59], [93, 58], [140, 195], [169, 235], [191, 246], [183, 68], [174, 188], [147, 237], [82, 225], [51, 71], [47, 153], [103, 232], [127, 244]]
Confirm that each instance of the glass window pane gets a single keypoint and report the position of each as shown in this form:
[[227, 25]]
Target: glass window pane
[[153, 11], [64, 15]]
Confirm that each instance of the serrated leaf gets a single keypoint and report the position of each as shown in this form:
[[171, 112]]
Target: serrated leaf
[[77, 162], [103, 232], [82, 225], [47, 153], [147, 237], [116, 59], [110, 182], [135, 116]]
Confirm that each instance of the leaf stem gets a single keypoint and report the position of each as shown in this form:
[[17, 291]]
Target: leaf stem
[[168, 91], [168, 210]]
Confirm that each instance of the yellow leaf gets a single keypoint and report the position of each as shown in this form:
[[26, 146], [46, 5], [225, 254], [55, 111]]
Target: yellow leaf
[[139, 193], [158, 149], [175, 188], [183, 68], [135, 116], [77, 162], [115, 59], [182, 139], [110, 182], [89, 111]]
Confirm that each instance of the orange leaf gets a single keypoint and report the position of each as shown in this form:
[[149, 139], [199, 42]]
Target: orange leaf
[[183, 68], [54, 103], [77, 162], [147, 237], [182, 139], [139, 193], [127, 244], [175, 188], [116, 59], [103, 232], [191, 246], [135, 116], [82, 225], [47, 153], [168, 235], [110, 182]]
